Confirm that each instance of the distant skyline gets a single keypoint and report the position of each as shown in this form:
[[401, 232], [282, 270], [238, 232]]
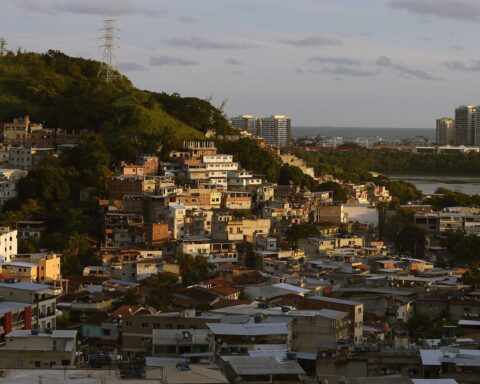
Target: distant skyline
[[345, 63]]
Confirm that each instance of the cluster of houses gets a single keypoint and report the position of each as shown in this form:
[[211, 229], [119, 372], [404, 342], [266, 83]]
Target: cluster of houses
[[23, 145], [330, 307]]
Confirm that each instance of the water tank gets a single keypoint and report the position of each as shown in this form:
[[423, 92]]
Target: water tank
[[291, 356]]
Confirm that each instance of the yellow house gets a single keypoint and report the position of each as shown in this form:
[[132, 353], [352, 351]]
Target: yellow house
[[20, 270], [47, 266]]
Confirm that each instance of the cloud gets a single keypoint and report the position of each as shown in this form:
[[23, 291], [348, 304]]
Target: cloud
[[343, 70], [404, 71], [232, 61], [187, 20], [335, 60], [299, 71], [202, 43], [384, 61], [312, 41], [446, 9], [170, 60], [95, 7], [424, 38], [131, 66], [458, 65], [107, 8]]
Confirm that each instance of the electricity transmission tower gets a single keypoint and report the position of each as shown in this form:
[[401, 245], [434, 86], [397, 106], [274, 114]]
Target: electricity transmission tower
[[3, 44], [108, 66]]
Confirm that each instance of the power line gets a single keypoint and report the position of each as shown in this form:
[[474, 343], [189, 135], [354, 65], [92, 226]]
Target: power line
[[108, 68]]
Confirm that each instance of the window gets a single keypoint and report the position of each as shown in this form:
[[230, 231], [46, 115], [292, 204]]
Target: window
[[128, 323], [37, 364], [144, 325], [106, 332]]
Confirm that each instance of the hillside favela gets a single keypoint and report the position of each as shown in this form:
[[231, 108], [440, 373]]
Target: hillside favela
[[247, 192]]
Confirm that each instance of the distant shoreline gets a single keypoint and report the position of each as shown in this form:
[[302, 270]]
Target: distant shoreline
[[386, 133]]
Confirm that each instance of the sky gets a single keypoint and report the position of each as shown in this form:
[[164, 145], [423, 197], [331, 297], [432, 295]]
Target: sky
[[346, 63]]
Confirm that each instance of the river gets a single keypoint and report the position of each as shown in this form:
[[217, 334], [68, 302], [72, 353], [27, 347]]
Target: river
[[469, 185]]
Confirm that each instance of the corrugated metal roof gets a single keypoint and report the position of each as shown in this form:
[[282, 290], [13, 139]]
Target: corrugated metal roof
[[291, 287], [334, 300], [259, 365], [469, 322], [25, 286], [256, 329], [19, 264], [328, 313]]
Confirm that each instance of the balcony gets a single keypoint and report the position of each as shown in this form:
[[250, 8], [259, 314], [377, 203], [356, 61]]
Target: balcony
[[44, 297], [42, 315], [19, 324]]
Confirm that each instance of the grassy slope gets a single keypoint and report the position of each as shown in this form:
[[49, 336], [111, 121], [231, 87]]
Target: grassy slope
[[65, 92]]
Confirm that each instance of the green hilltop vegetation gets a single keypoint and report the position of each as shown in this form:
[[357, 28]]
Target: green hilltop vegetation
[[65, 92]]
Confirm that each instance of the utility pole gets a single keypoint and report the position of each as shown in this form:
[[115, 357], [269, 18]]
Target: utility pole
[[109, 60], [3, 44]]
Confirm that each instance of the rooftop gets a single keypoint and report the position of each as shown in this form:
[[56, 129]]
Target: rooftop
[[260, 365], [25, 286], [248, 329], [55, 334], [327, 313], [334, 300]]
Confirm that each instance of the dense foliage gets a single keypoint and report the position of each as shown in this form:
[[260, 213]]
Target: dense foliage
[[355, 164], [448, 198], [197, 113], [252, 157], [65, 92]]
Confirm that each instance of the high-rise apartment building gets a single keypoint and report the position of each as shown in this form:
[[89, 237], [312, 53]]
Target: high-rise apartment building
[[276, 130], [465, 122], [446, 131], [247, 123], [476, 139]]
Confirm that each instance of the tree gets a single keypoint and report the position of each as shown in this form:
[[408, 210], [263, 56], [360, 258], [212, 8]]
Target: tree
[[46, 183], [472, 276], [252, 157], [462, 249], [76, 255], [291, 174], [421, 326], [339, 192], [411, 241], [130, 297], [193, 269], [160, 289], [301, 231]]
